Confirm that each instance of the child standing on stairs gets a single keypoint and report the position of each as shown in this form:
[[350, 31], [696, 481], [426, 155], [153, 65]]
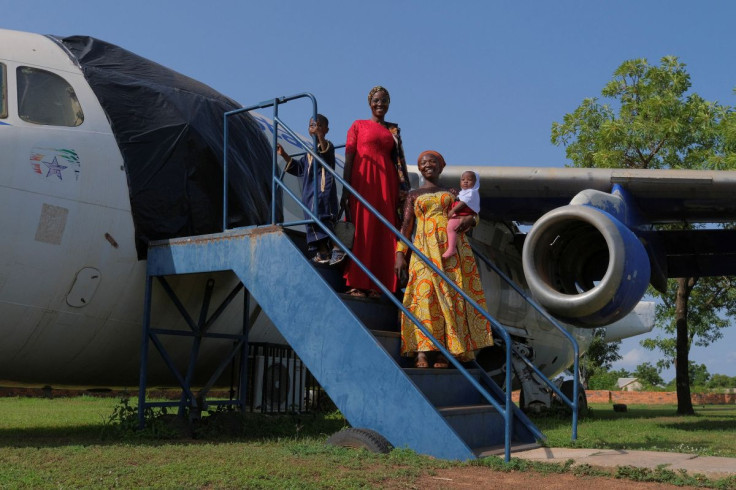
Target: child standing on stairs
[[317, 240], [467, 204]]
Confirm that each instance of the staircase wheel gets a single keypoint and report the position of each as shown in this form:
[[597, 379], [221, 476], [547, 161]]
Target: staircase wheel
[[567, 389], [361, 439]]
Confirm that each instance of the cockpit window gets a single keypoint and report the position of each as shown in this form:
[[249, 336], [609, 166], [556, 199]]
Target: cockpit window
[[46, 98], [3, 93]]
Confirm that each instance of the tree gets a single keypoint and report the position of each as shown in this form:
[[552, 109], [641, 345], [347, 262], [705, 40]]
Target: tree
[[659, 125], [721, 381], [698, 374], [702, 300], [648, 374], [607, 380], [599, 357]]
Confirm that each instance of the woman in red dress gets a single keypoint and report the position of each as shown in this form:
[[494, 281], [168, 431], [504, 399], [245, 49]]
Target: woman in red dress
[[375, 168]]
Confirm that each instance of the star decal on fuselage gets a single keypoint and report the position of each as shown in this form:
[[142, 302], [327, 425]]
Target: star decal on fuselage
[[54, 168]]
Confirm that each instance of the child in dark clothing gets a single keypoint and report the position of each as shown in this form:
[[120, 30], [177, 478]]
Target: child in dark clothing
[[317, 240]]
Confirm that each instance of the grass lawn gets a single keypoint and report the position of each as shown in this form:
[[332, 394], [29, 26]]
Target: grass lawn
[[72, 442], [76, 442], [710, 432]]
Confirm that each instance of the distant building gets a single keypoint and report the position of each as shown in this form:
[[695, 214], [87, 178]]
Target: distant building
[[628, 384]]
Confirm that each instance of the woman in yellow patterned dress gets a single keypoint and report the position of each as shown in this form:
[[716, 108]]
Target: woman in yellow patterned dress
[[441, 309]]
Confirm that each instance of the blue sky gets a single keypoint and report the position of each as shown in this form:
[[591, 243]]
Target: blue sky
[[479, 81]]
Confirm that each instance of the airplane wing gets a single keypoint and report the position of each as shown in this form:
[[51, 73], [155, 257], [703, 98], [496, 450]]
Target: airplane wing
[[524, 194], [593, 247]]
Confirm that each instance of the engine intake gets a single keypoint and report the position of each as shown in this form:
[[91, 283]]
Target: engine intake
[[584, 266]]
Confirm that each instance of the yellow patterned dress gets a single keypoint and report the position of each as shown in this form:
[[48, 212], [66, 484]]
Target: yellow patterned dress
[[441, 309]]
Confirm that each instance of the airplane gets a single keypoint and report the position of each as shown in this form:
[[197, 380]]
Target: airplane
[[104, 152]]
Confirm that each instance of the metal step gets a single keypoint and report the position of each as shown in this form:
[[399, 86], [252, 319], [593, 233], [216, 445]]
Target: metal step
[[391, 341], [477, 425], [331, 274], [375, 313], [446, 387]]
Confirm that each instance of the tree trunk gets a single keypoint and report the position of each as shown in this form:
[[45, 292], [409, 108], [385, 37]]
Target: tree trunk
[[682, 376]]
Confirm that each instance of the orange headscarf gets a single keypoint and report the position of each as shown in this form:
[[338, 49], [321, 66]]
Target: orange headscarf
[[434, 154]]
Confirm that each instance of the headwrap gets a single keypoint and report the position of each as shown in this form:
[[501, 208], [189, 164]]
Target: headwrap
[[471, 197], [434, 154], [378, 88]]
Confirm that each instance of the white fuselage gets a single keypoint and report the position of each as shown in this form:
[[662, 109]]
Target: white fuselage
[[55, 222]]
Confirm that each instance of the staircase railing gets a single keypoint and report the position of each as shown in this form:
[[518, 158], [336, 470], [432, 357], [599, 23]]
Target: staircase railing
[[508, 408], [573, 404], [276, 121]]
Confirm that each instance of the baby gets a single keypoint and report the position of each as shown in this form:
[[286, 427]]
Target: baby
[[468, 204]]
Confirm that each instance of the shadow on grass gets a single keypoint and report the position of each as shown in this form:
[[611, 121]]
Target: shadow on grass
[[708, 418], [216, 427], [559, 419], [698, 425]]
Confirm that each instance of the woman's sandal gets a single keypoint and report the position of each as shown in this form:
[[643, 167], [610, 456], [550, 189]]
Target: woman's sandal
[[355, 292], [441, 362], [372, 293], [421, 362]]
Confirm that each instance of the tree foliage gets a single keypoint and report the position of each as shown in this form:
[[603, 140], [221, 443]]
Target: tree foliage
[[648, 374], [711, 306], [599, 357], [721, 381], [606, 380], [649, 120], [699, 375]]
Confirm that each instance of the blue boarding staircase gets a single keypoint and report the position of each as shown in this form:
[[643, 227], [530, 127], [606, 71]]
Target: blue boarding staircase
[[350, 345]]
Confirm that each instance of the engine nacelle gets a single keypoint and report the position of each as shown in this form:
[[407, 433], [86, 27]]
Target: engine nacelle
[[584, 266]]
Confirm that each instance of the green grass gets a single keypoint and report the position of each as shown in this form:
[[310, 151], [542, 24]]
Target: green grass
[[72, 443], [77, 442], [710, 432]]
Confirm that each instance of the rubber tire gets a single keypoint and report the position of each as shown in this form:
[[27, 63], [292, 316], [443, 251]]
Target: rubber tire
[[567, 389], [367, 439]]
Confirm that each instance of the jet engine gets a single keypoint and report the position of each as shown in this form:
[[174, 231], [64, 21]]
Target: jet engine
[[585, 266]]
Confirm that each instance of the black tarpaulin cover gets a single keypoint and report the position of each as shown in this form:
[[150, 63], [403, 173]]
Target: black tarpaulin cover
[[169, 128]]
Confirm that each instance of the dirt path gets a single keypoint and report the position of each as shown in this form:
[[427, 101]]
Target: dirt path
[[481, 478]]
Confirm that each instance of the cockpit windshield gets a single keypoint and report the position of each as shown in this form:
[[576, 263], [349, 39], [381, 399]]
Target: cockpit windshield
[[46, 98]]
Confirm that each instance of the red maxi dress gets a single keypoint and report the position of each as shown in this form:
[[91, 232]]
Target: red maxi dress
[[375, 177]]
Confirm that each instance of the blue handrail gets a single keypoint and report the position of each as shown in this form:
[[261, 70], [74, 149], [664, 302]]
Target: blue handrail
[[300, 154], [262, 105], [573, 404]]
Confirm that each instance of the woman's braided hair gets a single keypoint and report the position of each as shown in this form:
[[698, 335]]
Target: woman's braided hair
[[378, 88]]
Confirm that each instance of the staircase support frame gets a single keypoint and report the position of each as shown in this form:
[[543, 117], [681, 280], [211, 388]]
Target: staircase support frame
[[198, 331]]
